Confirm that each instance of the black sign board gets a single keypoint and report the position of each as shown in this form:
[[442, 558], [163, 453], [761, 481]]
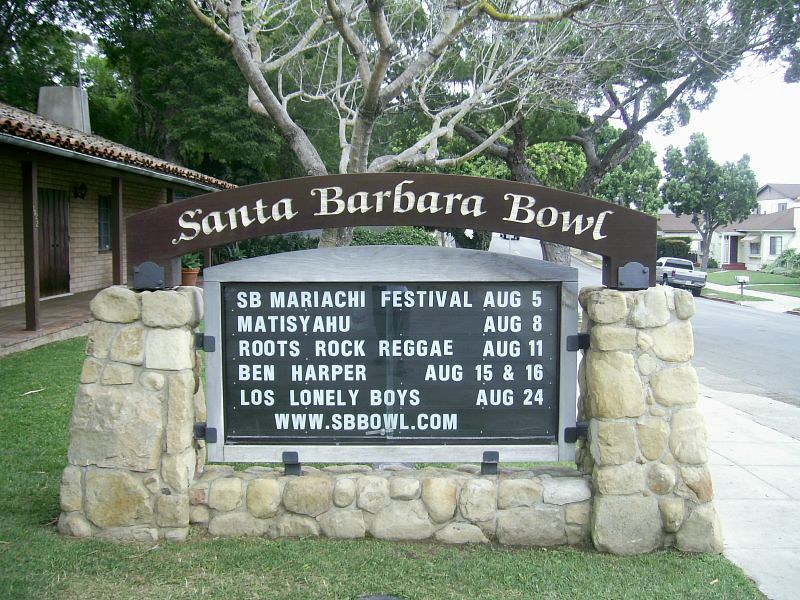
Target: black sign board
[[390, 363]]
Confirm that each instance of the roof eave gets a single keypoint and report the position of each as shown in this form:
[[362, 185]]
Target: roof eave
[[112, 164]]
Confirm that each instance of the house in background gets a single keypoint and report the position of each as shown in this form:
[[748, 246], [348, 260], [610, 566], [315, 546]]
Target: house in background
[[760, 239], [64, 196], [672, 226], [775, 197]]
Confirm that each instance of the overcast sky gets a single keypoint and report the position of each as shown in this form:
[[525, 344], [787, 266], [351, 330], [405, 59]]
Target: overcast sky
[[754, 113]]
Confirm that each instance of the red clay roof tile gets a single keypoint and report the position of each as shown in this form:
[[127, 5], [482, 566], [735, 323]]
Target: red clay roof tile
[[23, 124]]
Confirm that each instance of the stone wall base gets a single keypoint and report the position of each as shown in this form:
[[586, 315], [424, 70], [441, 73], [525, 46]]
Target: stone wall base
[[548, 507], [136, 473]]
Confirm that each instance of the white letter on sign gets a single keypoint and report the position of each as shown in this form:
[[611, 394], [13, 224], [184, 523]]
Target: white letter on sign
[[325, 200], [518, 207]]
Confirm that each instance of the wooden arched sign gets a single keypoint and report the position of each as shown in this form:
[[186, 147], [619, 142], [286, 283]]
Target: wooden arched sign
[[625, 238]]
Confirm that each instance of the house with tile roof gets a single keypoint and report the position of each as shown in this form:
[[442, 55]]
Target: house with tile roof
[[64, 197]]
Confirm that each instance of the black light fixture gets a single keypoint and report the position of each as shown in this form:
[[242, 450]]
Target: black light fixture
[[80, 190]]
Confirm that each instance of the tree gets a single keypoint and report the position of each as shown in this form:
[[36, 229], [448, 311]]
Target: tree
[[372, 61], [714, 195], [35, 50], [656, 79], [634, 183], [149, 90]]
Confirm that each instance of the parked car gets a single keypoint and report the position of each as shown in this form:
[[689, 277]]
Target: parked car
[[679, 272]]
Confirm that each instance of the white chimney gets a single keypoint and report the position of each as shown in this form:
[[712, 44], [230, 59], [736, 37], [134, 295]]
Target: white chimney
[[66, 105]]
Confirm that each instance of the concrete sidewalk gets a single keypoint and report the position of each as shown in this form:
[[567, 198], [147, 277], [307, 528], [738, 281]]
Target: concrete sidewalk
[[771, 302], [754, 457]]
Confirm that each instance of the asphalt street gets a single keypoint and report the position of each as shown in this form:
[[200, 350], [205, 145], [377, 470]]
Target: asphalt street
[[745, 350], [737, 348], [746, 359]]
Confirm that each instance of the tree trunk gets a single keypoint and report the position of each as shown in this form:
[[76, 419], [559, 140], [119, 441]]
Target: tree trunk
[[359, 156], [480, 240], [521, 171], [706, 238], [333, 238], [556, 253]]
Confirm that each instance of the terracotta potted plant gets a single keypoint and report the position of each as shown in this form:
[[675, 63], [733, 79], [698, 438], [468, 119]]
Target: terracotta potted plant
[[190, 268]]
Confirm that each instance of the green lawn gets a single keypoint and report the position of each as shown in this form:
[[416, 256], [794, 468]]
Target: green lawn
[[756, 277], [35, 562], [714, 294], [785, 290]]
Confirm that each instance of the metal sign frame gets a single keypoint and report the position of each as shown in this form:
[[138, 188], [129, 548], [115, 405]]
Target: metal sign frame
[[390, 264]]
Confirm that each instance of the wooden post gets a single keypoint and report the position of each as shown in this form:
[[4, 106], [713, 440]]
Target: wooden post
[[118, 270], [30, 226]]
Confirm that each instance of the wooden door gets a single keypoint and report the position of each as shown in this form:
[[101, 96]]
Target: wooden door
[[53, 242], [734, 249]]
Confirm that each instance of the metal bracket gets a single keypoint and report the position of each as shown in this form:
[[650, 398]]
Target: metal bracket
[[580, 431], [633, 276], [489, 464], [203, 432], [206, 343], [291, 464], [148, 276], [579, 341]]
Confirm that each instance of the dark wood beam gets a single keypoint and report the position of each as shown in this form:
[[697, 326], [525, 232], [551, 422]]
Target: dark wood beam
[[30, 226], [116, 231]]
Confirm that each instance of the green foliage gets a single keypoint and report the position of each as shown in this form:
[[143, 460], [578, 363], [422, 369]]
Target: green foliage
[[733, 296], [714, 195], [483, 166], [557, 164], [35, 562], [192, 260], [634, 183], [783, 290], [788, 263], [111, 107], [756, 278], [43, 55], [167, 86], [273, 244], [712, 263], [696, 185], [394, 236], [674, 247]]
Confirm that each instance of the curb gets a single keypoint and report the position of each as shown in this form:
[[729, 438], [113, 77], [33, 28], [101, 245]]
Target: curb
[[725, 300], [587, 262]]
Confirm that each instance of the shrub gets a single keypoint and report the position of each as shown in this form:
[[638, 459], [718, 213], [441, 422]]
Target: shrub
[[394, 236], [674, 247], [272, 244], [788, 263], [712, 263]]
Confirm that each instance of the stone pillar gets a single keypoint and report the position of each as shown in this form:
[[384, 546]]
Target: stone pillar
[[132, 456], [646, 449]]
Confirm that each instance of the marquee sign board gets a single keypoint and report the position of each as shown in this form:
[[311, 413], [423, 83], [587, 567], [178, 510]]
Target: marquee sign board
[[621, 235], [390, 353]]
